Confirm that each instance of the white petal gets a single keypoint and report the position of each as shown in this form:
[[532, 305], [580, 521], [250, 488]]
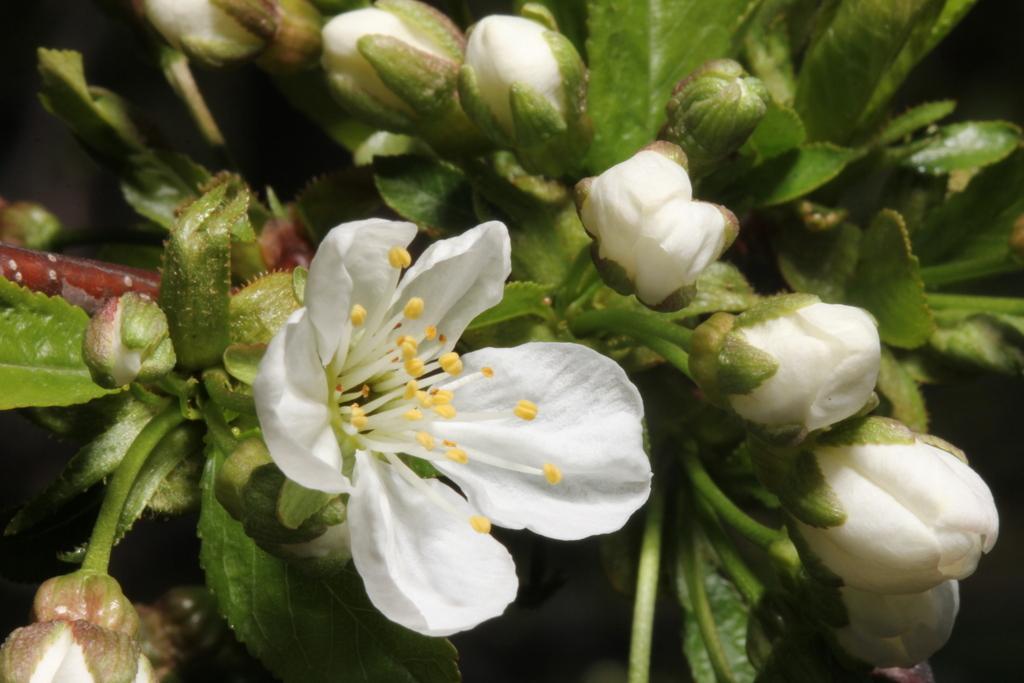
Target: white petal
[[351, 267], [145, 673], [290, 391], [457, 278], [73, 668], [59, 640], [588, 425], [424, 567]]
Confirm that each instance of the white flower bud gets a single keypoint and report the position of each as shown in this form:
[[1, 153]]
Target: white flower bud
[[202, 30], [505, 50], [790, 364], [128, 339], [642, 215], [898, 630], [58, 651], [342, 57], [909, 514]]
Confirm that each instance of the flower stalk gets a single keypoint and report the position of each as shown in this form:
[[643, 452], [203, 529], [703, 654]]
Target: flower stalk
[[648, 570], [987, 304]]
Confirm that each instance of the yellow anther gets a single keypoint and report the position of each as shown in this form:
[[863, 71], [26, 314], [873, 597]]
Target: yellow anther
[[424, 398], [413, 308], [458, 455], [414, 366], [442, 396], [430, 333], [449, 443], [412, 414], [410, 389], [425, 440], [358, 315], [480, 524], [450, 363], [365, 391], [399, 257], [401, 340], [409, 347], [358, 419], [552, 473], [447, 411], [487, 372], [526, 410]]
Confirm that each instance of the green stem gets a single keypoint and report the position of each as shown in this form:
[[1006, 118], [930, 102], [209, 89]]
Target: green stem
[[723, 506], [669, 351], [983, 304], [97, 557], [971, 269], [648, 570], [618, 321], [693, 575], [179, 75], [745, 580]]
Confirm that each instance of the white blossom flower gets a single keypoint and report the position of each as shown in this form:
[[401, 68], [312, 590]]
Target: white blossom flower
[[362, 386], [642, 215], [505, 50], [202, 29], [915, 515], [898, 630]]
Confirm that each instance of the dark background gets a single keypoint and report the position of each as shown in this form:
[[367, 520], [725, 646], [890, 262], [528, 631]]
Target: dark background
[[582, 632]]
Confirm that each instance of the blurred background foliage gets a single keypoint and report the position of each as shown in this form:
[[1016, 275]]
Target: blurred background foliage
[[560, 629]]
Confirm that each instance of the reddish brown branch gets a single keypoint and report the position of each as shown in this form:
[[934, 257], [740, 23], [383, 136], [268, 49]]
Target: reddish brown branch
[[83, 282]]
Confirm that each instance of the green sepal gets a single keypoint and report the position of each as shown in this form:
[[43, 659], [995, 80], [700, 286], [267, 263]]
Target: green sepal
[[255, 16], [443, 33], [867, 430], [708, 340], [258, 310], [297, 42], [242, 361], [233, 475], [196, 281], [477, 110], [296, 504], [423, 81], [260, 511], [89, 596], [795, 477], [534, 118], [741, 367], [365, 107], [221, 391], [774, 307]]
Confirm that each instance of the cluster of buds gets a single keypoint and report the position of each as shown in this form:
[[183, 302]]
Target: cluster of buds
[[128, 340], [283, 34], [86, 631], [650, 237], [305, 527]]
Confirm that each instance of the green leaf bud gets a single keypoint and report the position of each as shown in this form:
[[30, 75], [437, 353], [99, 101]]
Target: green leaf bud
[[713, 111], [27, 224], [128, 340]]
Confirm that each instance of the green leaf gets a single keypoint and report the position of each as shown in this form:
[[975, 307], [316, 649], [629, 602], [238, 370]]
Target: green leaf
[[521, 298], [638, 50], [977, 222], [960, 147], [155, 182], [426, 191], [849, 59], [721, 287], [914, 119], [819, 262], [303, 628], [903, 394], [92, 463], [989, 342], [779, 131], [731, 616], [335, 198], [194, 291], [888, 283], [795, 173], [932, 26], [41, 351]]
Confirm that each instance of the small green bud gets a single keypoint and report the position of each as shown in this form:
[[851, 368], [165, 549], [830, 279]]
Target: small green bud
[[86, 596], [27, 224], [713, 111], [128, 340], [525, 85]]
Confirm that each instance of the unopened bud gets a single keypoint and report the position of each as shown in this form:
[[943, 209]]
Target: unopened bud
[[789, 365], [898, 629], [211, 31], [27, 224], [128, 340], [395, 66], [86, 596], [58, 651], [296, 41], [524, 85], [713, 111], [911, 513], [650, 237]]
